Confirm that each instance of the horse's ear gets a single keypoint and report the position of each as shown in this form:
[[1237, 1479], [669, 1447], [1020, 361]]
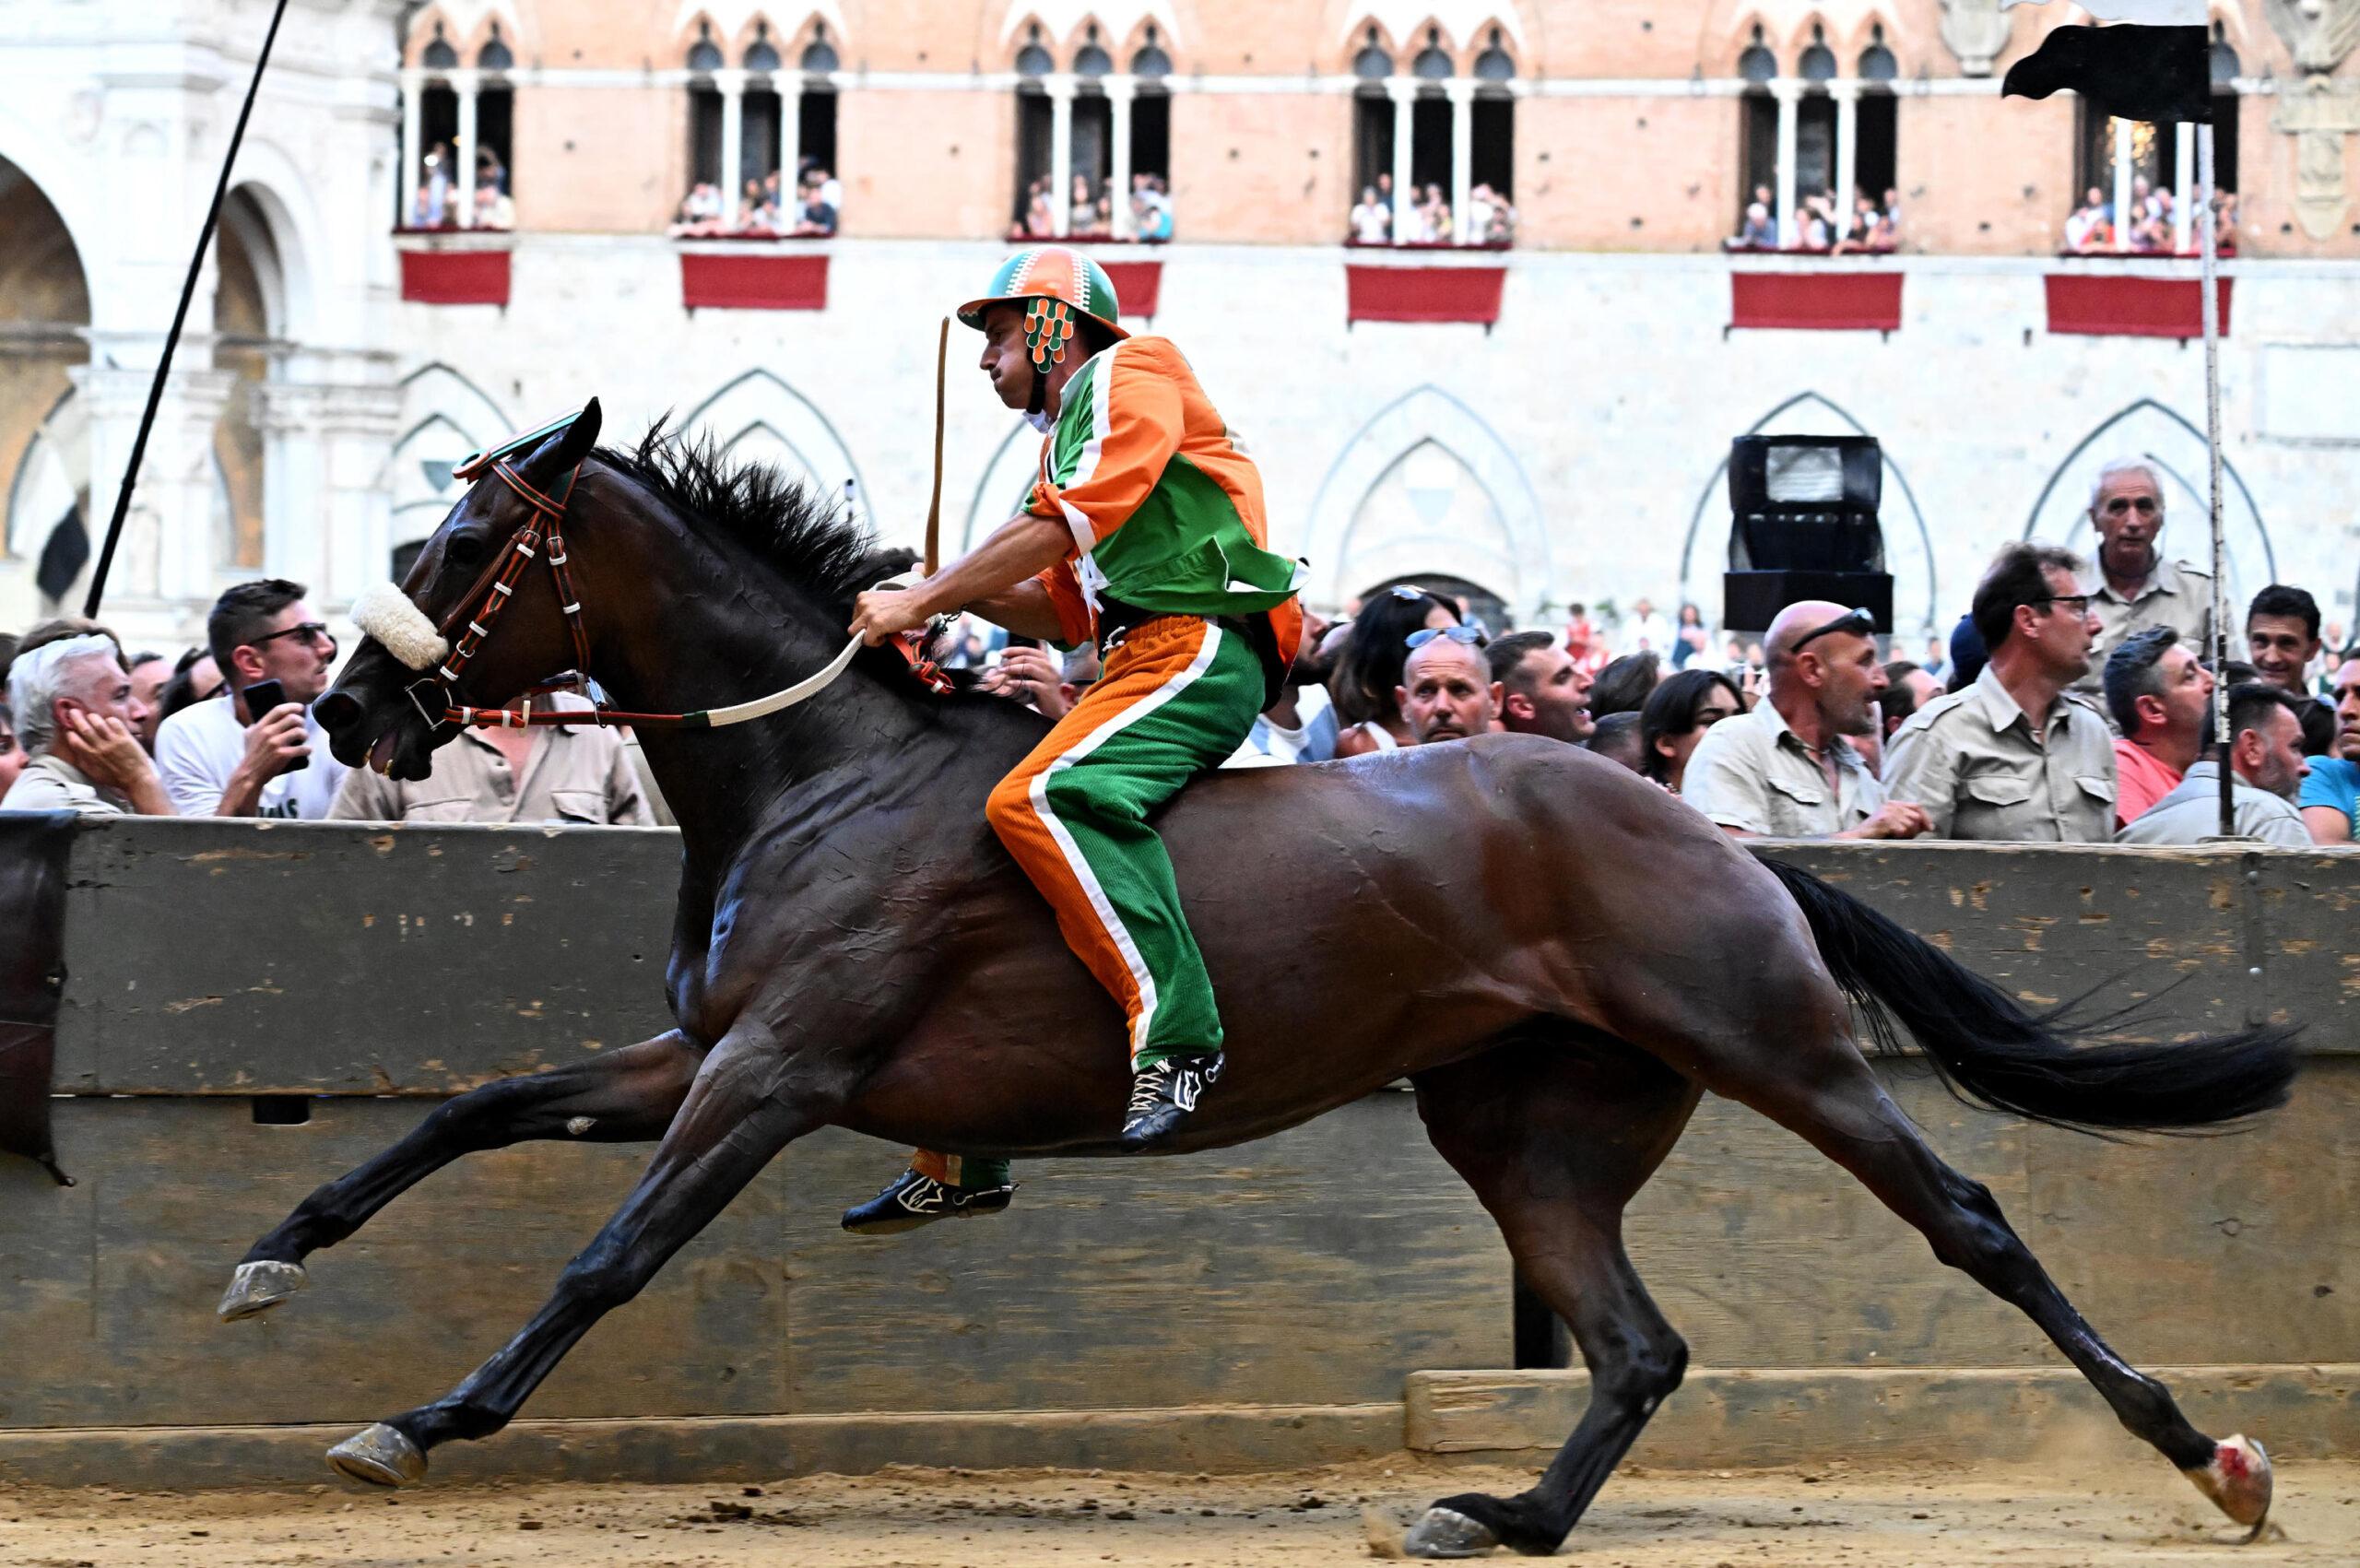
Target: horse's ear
[[564, 450]]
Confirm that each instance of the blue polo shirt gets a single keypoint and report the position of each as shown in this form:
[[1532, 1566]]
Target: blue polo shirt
[[2334, 782]]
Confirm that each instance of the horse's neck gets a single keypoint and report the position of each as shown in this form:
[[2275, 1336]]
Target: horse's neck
[[709, 631]]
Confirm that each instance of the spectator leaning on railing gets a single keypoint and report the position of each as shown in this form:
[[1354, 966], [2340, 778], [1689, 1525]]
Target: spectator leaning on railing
[[77, 719], [1788, 770], [2267, 768], [2160, 696], [2016, 757]]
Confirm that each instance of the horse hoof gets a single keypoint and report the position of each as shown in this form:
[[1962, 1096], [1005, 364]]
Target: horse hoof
[[258, 1287], [382, 1455], [1445, 1532], [2238, 1480]]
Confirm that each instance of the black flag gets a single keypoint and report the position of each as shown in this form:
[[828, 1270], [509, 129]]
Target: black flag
[[63, 557], [2156, 74]]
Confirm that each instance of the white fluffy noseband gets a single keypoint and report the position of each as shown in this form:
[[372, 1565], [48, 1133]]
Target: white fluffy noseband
[[386, 613]]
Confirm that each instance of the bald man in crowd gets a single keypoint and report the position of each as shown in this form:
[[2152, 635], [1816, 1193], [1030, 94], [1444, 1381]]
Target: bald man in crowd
[[1788, 770], [1447, 690]]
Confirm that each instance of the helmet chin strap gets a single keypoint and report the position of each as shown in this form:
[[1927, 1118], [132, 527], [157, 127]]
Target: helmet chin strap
[[1036, 401]]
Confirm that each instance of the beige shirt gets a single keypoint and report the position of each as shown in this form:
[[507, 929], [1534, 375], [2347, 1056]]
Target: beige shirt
[[578, 773], [1973, 760], [50, 782], [2191, 813], [2175, 594], [1753, 772]]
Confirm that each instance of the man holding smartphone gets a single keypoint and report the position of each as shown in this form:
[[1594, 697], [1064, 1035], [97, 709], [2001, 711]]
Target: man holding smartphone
[[255, 750]]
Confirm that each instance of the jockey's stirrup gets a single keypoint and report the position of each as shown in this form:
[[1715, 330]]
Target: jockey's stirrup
[[912, 1199]]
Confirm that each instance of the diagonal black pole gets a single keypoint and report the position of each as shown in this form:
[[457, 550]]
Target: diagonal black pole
[[179, 316]]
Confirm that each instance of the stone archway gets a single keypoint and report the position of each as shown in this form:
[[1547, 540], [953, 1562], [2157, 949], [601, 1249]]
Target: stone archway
[[783, 426], [1426, 483], [45, 428], [444, 417]]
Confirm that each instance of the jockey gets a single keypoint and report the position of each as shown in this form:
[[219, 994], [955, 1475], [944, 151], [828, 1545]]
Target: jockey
[[1143, 533]]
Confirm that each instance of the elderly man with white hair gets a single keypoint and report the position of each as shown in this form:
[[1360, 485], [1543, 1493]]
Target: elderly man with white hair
[[79, 721], [2131, 587]]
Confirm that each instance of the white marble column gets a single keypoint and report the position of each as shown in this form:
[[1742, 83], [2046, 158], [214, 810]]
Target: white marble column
[[1119, 93], [1846, 91], [463, 179], [1404, 92], [2123, 216], [1789, 94], [2184, 187], [732, 87], [790, 145], [1060, 154], [1462, 155], [411, 176], [169, 546], [294, 536]]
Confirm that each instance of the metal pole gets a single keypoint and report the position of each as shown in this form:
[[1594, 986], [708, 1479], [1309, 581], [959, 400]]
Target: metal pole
[[2209, 270], [179, 316]]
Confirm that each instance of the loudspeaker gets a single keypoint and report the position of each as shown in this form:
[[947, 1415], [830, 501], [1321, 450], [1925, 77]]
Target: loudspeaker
[[1803, 525]]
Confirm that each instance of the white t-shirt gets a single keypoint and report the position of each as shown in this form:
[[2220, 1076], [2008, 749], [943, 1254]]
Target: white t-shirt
[[201, 744], [1372, 224]]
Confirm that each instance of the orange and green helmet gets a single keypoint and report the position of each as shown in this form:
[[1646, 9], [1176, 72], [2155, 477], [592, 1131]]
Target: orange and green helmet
[[1056, 283]]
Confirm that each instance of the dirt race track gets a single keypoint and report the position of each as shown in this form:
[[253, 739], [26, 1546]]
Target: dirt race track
[[2060, 1514]]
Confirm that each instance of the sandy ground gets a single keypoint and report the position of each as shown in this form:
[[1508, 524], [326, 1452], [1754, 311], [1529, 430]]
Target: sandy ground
[[2027, 1518]]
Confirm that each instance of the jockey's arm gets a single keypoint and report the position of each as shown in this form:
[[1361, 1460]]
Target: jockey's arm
[[995, 580]]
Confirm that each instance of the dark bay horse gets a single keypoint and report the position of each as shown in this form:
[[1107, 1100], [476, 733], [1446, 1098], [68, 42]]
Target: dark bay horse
[[853, 948]]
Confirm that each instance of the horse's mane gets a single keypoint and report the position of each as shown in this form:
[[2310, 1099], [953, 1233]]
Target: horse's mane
[[811, 539]]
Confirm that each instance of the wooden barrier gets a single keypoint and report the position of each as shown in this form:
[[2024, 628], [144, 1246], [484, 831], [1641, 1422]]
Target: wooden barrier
[[252, 1007]]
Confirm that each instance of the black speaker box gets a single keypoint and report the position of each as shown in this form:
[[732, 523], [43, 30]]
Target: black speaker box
[[1750, 600]]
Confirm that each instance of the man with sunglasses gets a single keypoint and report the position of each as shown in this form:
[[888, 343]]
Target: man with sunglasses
[[1447, 690], [2017, 757], [1788, 769], [220, 759], [2132, 587]]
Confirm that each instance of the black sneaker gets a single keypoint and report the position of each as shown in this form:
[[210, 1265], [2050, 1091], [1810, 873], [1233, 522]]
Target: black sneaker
[[910, 1200], [1163, 1095]]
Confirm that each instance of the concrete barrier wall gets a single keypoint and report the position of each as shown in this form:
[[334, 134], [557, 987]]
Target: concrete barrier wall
[[372, 971]]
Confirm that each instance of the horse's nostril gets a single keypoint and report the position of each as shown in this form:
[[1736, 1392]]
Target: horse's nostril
[[337, 711]]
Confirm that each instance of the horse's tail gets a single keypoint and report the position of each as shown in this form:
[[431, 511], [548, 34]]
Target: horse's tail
[[1990, 1051]]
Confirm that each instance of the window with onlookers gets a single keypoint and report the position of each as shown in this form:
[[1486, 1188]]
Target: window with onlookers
[[457, 132], [1817, 150], [1433, 151], [761, 139], [2137, 181], [1093, 144]]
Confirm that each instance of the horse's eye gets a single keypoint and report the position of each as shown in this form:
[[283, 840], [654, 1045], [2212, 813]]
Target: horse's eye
[[464, 550]]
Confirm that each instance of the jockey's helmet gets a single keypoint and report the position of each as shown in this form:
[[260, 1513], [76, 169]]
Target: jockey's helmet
[[1055, 283]]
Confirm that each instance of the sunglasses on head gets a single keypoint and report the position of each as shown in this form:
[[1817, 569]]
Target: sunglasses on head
[[1470, 636], [1859, 621], [1408, 591]]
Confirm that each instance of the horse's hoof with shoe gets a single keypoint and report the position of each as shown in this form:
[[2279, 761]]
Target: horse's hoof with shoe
[[380, 1456], [1447, 1532], [257, 1288], [2238, 1481]]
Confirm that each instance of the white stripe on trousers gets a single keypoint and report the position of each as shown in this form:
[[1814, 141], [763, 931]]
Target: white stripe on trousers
[[1108, 920]]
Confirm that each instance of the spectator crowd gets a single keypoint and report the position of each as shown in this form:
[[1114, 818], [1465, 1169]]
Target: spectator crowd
[[2148, 225], [1427, 220], [2073, 703], [1821, 224], [762, 207], [436, 202], [1090, 209]]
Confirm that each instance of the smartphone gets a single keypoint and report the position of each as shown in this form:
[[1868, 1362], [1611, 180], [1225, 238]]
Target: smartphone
[[263, 696]]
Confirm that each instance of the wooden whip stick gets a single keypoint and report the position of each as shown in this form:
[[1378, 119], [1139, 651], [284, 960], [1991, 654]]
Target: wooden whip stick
[[934, 506]]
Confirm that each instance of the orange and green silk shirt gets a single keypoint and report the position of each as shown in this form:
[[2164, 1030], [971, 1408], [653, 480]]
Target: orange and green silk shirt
[[1165, 510]]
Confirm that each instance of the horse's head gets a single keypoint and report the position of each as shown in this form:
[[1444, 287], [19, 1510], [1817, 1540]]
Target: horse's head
[[385, 708]]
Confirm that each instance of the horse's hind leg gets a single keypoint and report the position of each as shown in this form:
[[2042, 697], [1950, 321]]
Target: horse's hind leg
[[1555, 1132], [749, 1101], [624, 1096], [1802, 1070]]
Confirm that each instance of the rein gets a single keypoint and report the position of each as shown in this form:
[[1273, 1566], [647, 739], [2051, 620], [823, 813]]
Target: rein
[[421, 644]]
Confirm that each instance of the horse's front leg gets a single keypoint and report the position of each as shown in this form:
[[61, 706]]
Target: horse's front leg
[[626, 1096], [754, 1095]]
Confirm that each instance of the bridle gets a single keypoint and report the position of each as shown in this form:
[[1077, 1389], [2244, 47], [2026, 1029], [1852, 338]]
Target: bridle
[[436, 695]]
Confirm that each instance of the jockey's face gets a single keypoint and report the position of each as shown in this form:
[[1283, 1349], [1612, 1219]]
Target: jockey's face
[[1006, 359]]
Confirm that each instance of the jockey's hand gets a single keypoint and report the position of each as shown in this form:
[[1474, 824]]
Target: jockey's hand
[[881, 612]]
